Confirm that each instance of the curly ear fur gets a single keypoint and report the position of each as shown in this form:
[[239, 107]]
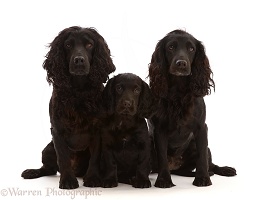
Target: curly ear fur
[[146, 107], [157, 74], [57, 73], [201, 81], [108, 97], [56, 64], [102, 64]]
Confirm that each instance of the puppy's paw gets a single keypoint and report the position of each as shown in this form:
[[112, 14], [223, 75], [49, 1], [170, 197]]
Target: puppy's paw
[[31, 173], [202, 181], [225, 171], [109, 183], [92, 182], [137, 183], [68, 182], [164, 183]]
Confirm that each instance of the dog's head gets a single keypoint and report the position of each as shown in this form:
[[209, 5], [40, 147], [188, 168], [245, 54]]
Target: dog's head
[[79, 48], [128, 95], [180, 54], [180, 51], [78, 51]]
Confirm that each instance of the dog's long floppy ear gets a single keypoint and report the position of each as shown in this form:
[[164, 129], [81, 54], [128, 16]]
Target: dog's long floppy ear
[[108, 97], [102, 64], [157, 70], [147, 105], [201, 80], [55, 63]]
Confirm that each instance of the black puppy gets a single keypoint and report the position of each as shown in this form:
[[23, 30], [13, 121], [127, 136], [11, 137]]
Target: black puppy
[[125, 139], [180, 76]]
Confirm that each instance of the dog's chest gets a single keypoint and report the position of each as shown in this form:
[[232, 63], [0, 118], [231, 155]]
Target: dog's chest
[[177, 139], [76, 115], [179, 132], [125, 148], [74, 122], [122, 140], [79, 129]]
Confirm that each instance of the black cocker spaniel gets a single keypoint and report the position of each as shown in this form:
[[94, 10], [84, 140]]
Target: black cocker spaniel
[[77, 65], [180, 76]]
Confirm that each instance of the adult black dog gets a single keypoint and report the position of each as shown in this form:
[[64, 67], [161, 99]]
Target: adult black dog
[[77, 65], [125, 139], [180, 76]]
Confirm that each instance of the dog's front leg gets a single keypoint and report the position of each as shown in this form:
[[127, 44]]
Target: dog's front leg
[[110, 178], [161, 144], [143, 169], [92, 176], [67, 176], [202, 177]]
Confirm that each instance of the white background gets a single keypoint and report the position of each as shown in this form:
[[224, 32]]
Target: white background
[[228, 29]]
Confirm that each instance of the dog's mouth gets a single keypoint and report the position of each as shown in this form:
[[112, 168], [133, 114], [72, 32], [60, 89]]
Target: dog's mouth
[[179, 73], [126, 112], [79, 72], [184, 71]]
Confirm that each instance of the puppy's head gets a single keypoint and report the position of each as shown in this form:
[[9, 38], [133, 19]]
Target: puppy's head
[[127, 95]]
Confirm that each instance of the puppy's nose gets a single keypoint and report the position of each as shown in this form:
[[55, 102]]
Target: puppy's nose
[[79, 60], [181, 63], [127, 104]]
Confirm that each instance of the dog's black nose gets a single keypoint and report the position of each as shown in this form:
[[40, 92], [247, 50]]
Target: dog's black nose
[[79, 60], [181, 63], [127, 104]]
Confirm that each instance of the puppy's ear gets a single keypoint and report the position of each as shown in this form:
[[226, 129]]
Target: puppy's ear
[[108, 97], [146, 106]]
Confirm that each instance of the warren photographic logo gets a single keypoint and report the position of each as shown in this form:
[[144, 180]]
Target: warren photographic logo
[[48, 192]]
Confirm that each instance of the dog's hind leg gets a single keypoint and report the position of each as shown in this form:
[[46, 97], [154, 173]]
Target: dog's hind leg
[[49, 160], [222, 171]]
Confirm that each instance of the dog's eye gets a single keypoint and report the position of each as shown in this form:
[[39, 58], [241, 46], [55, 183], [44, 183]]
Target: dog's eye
[[68, 45], [119, 89], [89, 45], [137, 91], [171, 47], [191, 49]]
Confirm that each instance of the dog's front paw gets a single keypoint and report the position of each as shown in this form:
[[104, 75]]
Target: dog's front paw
[[68, 182], [161, 183], [92, 182], [137, 183], [202, 181], [109, 183]]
